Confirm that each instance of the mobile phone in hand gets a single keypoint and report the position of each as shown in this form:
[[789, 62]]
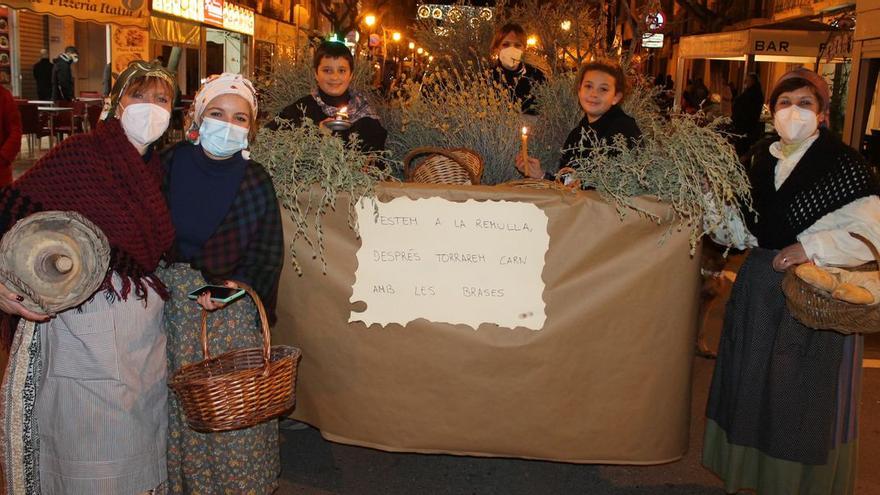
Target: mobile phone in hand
[[219, 293]]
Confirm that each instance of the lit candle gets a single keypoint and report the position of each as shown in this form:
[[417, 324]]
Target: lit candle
[[524, 147], [342, 113]]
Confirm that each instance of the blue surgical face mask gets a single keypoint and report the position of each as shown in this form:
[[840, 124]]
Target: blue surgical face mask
[[222, 139]]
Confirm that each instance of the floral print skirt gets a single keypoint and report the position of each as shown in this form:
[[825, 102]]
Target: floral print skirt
[[235, 462]]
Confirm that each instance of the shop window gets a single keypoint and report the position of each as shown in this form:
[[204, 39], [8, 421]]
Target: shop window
[[224, 52]]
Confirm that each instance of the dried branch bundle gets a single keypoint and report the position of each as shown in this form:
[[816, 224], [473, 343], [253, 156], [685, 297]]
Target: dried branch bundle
[[673, 161], [458, 108], [301, 157]]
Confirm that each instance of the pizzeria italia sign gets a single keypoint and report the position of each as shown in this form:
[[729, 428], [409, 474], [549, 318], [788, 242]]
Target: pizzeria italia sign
[[216, 12], [121, 12]]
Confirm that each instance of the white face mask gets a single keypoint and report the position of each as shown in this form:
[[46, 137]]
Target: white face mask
[[795, 124], [144, 123], [510, 57]]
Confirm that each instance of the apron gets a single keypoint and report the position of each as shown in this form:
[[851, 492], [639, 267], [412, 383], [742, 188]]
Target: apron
[[101, 403]]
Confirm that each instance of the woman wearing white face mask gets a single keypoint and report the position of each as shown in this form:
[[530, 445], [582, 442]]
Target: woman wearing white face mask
[[228, 230], [508, 48], [783, 406], [89, 416]]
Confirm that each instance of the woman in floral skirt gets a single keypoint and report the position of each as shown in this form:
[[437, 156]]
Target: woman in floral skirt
[[228, 230]]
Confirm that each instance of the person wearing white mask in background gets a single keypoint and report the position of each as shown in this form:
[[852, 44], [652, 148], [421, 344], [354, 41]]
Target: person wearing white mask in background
[[62, 75], [228, 230], [86, 412], [511, 71], [782, 414]]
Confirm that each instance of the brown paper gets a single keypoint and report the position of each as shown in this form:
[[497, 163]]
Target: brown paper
[[607, 380]]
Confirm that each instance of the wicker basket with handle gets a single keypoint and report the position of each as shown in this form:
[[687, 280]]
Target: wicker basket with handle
[[816, 308], [240, 388], [443, 166]]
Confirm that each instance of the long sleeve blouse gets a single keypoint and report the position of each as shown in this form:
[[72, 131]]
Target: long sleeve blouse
[[827, 241]]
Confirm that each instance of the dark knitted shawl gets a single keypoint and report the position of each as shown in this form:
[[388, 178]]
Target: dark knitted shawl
[[102, 176], [248, 245], [829, 176]]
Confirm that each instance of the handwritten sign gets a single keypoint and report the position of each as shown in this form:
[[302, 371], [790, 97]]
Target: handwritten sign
[[460, 263]]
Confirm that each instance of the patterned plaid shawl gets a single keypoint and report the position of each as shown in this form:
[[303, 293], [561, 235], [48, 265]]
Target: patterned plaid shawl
[[248, 245]]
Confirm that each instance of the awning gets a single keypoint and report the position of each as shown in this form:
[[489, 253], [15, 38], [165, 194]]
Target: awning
[[174, 31], [120, 12], [767, 44]]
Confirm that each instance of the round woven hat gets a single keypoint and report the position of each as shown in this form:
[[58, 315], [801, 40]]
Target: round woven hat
[[55, 259]]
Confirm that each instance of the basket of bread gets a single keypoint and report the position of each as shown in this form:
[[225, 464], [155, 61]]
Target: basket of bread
[[829, 298]]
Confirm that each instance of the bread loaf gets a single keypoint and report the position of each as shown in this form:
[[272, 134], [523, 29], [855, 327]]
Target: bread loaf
[[853, 294], [817, 277]]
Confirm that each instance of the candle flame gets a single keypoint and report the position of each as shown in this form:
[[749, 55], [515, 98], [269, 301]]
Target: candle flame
[[525, 130]]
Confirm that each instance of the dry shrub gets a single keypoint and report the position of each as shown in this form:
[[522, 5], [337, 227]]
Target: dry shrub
[[301, 157]]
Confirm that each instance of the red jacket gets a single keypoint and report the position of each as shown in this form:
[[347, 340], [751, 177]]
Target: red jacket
[[10, 135]]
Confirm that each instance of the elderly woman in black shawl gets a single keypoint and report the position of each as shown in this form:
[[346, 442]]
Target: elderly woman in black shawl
[[783, 407]]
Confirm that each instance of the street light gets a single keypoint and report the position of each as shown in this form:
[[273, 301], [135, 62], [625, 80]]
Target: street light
[[532, 41], [370, 20], [566, 25], [412, 45], [420, 50], [395, 36]]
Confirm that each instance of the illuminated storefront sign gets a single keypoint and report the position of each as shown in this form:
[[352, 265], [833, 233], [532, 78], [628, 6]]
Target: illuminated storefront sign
[[188, 9], [238, 19], [216, 12]]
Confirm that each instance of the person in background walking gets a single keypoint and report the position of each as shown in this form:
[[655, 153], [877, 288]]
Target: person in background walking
[[10, 135], [43, 76], [62, 75], [746, 115]]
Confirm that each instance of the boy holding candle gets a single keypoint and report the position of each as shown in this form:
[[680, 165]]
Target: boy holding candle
[[333, 99], [601, 87]]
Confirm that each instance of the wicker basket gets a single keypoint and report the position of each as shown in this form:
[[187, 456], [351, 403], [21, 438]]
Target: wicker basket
[[556, 185], [444, 166], [240, 388], [816, 308]]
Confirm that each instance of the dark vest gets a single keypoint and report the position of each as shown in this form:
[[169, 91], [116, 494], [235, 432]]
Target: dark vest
[[829, 176]]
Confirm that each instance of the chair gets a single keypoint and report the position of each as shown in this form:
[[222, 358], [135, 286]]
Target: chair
[[93, 112], [70, 122], [31, 126]]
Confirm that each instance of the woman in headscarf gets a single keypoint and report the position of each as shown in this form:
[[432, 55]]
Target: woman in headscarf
[[783, 406], [228, 230], [334, 68], [84, 394]]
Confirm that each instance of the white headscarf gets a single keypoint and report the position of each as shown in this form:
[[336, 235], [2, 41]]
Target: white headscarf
[[223, 84]]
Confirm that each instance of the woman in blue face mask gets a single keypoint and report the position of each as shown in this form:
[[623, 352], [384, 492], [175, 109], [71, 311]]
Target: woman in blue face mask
[[228, 230]]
